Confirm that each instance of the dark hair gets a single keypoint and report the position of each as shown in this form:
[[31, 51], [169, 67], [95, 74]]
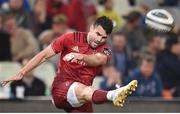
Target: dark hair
[[106, 24], [150, 58]]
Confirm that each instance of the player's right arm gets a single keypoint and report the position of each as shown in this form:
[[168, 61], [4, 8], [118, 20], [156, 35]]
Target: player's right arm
[[33, 63], [56, 46]]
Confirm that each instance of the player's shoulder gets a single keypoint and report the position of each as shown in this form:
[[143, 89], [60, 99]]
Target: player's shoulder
[[76, 34], [79, 33], [73, 37], [66, 36], [79, 37], [105, 48]]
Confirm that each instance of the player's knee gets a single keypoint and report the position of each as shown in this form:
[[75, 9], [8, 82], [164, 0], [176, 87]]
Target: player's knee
[[84, 93], [87, 93]]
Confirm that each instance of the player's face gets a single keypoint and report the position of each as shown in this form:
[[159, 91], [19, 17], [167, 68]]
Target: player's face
[[96, 36]]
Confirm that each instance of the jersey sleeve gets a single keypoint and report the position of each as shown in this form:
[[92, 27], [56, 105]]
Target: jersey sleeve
[[106, 50], [62, 42]]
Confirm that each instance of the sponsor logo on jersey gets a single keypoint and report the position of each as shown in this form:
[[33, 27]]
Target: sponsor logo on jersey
[[107, 51], [75, 48]]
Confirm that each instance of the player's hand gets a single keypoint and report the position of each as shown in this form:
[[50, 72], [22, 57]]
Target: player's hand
[[78, 58], [74, 58], [18, 76]]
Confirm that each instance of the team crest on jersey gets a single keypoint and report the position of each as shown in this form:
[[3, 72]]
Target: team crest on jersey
[[107, 51], [75, 48]]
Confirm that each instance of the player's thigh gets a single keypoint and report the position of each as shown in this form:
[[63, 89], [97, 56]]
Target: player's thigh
[[59, 95]]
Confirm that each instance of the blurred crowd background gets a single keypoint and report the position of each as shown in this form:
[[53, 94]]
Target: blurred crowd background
[[152, 58]]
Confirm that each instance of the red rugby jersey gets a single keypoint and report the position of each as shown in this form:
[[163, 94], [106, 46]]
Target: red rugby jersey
[[68, 71]]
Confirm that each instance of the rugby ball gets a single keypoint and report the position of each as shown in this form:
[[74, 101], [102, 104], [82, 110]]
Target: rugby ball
[[160, 20]]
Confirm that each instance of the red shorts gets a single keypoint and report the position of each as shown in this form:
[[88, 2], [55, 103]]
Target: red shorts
[[59, 95]]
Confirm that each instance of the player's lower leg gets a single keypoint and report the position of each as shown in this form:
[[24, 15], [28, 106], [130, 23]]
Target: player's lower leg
[[118, 96]]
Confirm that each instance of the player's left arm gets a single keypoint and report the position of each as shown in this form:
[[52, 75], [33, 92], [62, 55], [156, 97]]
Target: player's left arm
[[91, 60], [94, 60]]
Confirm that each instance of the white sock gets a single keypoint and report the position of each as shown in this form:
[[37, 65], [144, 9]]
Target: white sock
[[110, 95]]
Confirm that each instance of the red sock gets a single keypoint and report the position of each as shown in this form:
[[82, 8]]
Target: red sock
[[99, 96]]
